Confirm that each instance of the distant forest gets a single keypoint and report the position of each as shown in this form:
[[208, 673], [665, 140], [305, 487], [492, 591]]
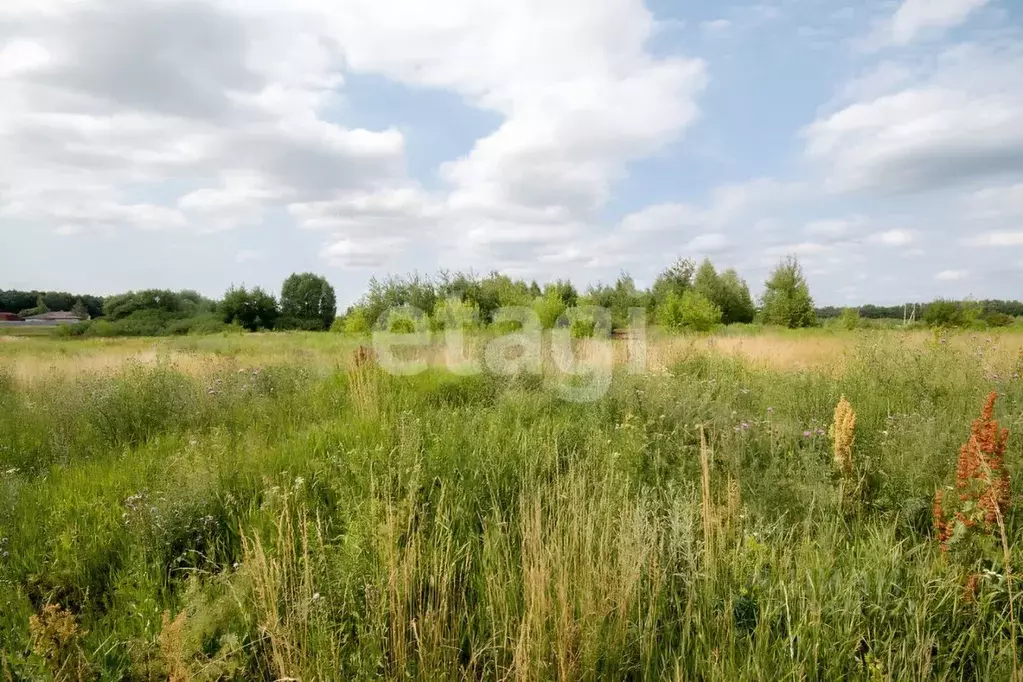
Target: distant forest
[[686, 295]]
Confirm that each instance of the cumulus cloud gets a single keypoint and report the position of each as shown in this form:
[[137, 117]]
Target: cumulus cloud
[[106, 99], [914, 16], [227, 106], [958, 121]]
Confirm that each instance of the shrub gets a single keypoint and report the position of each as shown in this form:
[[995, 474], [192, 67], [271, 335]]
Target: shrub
[[689, 311], [356, 322], [951, 314], [850, 318]]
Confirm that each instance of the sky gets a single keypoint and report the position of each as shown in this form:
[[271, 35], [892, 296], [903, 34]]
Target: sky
[[204, 143]]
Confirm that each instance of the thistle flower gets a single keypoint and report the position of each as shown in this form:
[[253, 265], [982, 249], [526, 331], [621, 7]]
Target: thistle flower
[[843, 433]]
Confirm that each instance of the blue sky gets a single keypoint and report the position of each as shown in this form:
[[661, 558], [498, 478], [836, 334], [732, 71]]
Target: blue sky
[[201, 143]]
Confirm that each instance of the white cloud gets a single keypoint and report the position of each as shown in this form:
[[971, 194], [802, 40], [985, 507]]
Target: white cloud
[[894, 237], [951, 275], [958, 121], [996, 239], [914, 16], [1005, 202], [230, 108], [20, 56], [172, 95], [707, 243]]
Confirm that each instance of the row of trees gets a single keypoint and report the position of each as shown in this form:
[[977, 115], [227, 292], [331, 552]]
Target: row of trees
[[684, 296], [307, 302], [27, 303], [941, 312]]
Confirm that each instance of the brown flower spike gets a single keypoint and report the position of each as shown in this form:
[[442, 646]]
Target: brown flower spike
[[982, 479]]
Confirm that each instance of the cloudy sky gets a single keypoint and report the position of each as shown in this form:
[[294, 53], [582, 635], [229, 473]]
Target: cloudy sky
[[200, 143]]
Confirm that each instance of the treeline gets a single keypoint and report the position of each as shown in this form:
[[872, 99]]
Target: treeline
[[938, 313], [26, 303], [307, 302], [896, 312], [685, 296]]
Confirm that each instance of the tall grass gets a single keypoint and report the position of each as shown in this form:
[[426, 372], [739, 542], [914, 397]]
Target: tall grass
[[288, 520]]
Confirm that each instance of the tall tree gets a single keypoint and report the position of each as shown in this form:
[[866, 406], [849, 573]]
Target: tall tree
[[308, 302], [253, 310], [736, 303], [677, 279], [786, 300]]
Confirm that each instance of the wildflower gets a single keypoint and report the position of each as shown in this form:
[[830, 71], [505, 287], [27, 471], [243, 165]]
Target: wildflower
[[807, 434], [316, 596], [970, 588], [770, 410], [982, 480], [843, 433]]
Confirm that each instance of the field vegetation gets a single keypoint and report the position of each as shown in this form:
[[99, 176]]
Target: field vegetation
[[274, 506]]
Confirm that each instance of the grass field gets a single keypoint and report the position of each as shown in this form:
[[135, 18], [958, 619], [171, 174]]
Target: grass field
[[263, 507]]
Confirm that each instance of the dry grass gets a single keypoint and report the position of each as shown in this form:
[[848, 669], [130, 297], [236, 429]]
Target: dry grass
[[32, 360]]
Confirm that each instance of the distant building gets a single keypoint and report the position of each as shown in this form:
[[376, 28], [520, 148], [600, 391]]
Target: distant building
[[55, 317], [9, 317]]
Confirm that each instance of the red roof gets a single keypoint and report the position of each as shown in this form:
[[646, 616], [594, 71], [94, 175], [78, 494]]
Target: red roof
[[9, 317]]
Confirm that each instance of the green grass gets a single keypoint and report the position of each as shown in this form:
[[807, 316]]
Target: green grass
[[310, 521]]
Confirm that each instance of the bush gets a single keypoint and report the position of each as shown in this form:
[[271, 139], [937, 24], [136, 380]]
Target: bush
[[689, 311], [850, 318], [951, 314], [996, 319], [356, 322]]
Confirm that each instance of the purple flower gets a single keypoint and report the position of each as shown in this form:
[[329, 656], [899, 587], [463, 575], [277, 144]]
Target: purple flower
[[807, 434], [745, 425]]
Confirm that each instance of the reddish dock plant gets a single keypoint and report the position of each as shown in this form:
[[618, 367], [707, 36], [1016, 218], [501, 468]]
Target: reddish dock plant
[[981, 495]]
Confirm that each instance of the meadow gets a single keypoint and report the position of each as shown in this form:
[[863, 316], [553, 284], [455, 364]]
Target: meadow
[[268, 506]]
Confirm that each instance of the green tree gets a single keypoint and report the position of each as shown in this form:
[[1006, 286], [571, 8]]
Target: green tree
[[253, 310], [80, 309], [619, 299], [307, 302], [786, 301], [563, 290], [39, 309], [393, 292], [707, 283], [736, 303], [850, 318], [944, 313], [355, 322], [727, 291], [690, 310], [677, 279], [452, 313], [549, 308]]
